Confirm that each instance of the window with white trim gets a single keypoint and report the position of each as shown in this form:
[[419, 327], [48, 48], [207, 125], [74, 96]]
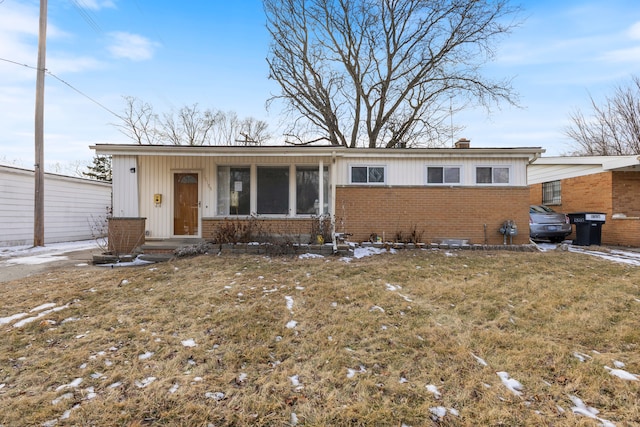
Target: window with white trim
[[364, 174], [273, 189], [443, 175], [551, 193], [308, 190], [492, 174], [234, 197]]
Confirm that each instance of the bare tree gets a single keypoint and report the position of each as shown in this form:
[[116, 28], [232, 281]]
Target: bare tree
[[613, 129], [189, 126], [139, 122], [381, 73], [253, 132]]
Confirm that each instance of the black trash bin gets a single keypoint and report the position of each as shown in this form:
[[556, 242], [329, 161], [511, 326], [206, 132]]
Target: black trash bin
[[588, 227]]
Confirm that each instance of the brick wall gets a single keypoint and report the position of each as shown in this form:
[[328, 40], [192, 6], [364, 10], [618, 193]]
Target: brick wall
[[535, 194], [607, 192], [589, 193], [434, 212], [626, 193], [298, 229], [125, 234], [621, 232]]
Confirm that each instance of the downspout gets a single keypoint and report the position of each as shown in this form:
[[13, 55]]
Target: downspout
[[332, 209]]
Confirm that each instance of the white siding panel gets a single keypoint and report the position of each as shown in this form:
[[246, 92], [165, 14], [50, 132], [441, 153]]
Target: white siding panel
[[125, 187], [546, 173], [403, 171], [155, 175], [72, 207]]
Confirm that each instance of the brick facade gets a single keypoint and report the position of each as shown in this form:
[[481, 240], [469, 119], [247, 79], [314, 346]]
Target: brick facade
[[126, 234], [613, 192], [435, 213]]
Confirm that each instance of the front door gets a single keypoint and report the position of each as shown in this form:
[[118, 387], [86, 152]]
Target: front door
[[185, 210]]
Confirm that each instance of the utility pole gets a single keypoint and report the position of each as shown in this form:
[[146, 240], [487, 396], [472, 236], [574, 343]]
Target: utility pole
[[38, 206]]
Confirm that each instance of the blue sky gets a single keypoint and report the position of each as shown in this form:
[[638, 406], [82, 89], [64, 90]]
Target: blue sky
[[212, 53]]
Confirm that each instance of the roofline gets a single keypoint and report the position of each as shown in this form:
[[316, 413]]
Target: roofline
[[289, 151], [24, 171], [606, 162]]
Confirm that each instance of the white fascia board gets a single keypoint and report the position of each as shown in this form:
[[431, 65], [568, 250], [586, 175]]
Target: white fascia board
[[223, 151], [621, 162], [605, 162], [209, 150]]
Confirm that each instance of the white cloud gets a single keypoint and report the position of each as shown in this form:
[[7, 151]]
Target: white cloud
[[634, 31], [61, 65], [630, 55], [131, 46]]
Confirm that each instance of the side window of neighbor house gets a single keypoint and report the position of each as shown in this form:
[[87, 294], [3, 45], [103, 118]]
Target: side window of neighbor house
[[273, 190], [308, 188], [234, 197], [367, 174], [551, 193], [443, 175], [492, 175]]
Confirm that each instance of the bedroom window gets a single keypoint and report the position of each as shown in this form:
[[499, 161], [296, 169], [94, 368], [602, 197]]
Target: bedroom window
[[492, 175], [443, 175], [367, 174]]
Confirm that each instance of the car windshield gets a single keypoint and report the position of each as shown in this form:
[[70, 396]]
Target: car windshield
[[540, 209]]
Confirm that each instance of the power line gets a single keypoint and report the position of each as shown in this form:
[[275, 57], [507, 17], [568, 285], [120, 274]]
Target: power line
[[65, 83], [84, 12]]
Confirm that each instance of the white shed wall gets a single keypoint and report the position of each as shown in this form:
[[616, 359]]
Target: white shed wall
[[72, 206]]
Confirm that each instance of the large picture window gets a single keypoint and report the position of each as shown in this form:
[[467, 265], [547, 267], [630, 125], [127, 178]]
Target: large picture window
[[234, 196], [307, 190], [368, 174], [273, 190], [443, 175], [492, 175]]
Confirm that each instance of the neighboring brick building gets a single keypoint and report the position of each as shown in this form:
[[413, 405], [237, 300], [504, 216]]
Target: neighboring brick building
[[419, 195], [608, 184]]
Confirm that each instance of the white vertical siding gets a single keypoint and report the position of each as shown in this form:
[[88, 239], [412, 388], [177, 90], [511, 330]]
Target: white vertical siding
[[409, 171], [72, 207], [156, 177], [545, 173], [125, 187]]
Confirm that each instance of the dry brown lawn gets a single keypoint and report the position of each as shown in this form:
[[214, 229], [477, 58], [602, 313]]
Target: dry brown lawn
[[416, 339]]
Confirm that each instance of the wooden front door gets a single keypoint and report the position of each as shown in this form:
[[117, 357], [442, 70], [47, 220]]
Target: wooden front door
[[185, 209]]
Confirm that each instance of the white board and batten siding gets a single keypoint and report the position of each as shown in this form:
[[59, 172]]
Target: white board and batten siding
[[72, 206], [412, 171], [155, 176]]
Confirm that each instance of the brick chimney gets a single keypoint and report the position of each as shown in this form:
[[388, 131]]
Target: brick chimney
[[463, 143]]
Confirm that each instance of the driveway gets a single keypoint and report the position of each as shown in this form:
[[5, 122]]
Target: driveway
[[21, 262]]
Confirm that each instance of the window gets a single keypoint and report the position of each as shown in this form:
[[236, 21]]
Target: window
[[551, 193], [443, 175], [234, 197], [367, 174], [492, 175], [307, 190], [273, 190]]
